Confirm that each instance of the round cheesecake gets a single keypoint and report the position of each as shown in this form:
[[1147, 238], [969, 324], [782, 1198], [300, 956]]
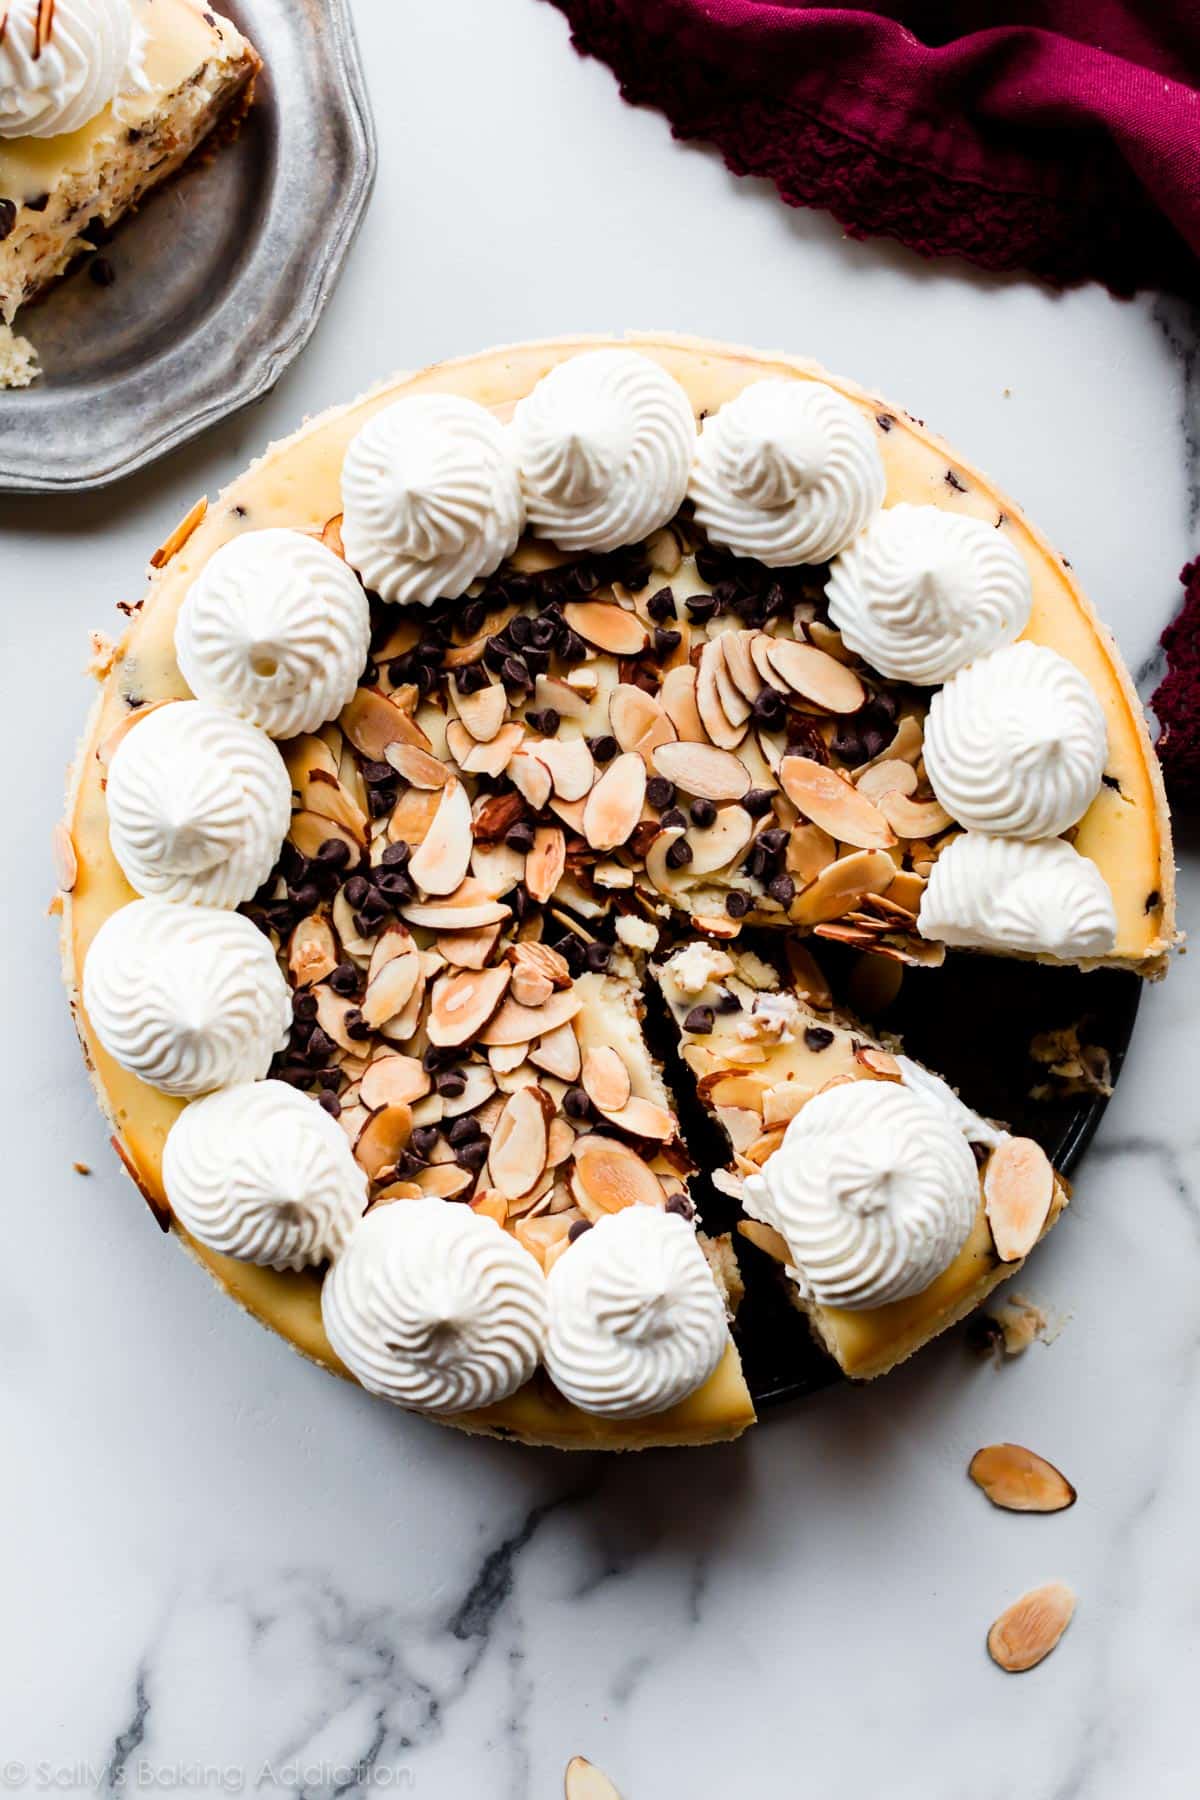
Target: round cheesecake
[[591, 654]]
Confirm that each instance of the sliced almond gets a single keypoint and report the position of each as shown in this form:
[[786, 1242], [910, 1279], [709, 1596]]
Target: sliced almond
[[462, 1004], [384, 1136], [479, 1090], [1028, 1630], [734, 703], [638, 721], [717, 845], [835, 804], [541, 1236], [517, 1155], [309, 830], [331, 1017], [560, 1141], [417, 766], [491, 1205], [440, 862], [1018, 1480], [605, 1079], [879, 1063], [445, 1180], [739, 660], [312, 951], [782, 1102], [563, 696], [482, 712], [469, 949], [724, 1087], [490, 758], [760, 654], [541, 959], [545, 862], [372, 722], [839, 888], [614, 805], [571, 764], [393, 1080], [303, 757], [325, 794], [808, 978], [718, 725], [391, 988], [177, 538], [891, 776], [809, 851], [607, 627], [608, 1176], [816, 676], [412, 815], [530, 987], [643, 1118], [530, 777], [469, 908], [670, 881], [558, 1053], [584, 1781], [914, 818], [678, 696], [1018, 1187], [517, 1024], [701, 770]]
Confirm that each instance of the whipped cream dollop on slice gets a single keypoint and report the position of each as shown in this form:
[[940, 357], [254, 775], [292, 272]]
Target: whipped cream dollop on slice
[[61, 64], [199, 804], [923, 592], [431, 498], [1015, 743], [276, 629], [788, 472], [604, 444], [636, 1321], [874, 1191], [941, 1096], [434, 1307], [189, 998], [261, 1172], [1040, 896]]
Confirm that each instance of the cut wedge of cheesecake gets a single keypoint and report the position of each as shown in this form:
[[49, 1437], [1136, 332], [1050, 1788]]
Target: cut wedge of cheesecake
[[616, 795]]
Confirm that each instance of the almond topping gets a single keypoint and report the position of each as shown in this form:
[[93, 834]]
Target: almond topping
[[480, 1088], [445, 1180], [1018, 1480], [678, 696], [530, 987], [531, 778], [913, 818], [809, 851], [606, 626], [734, 703], [643, 1118], [605, 1079], [517, 1024], [558, 1053], [178, 538], [614, 805], [393, 1080], [518, 1150], [880, 1063], [584, 1781], [1028, 1630], [440, 863], [491, 758], [371, 721], [541, 959], [383, 1137], [716, 846], [66, 863], [412, 815], [469, 949], [462, 1004], [545, 863], [835, 804], [417, 766], [312, 951], [571, 764], [482, 712], [842, 885], [470, 907], [888, 777], [740, 663], [808, 978], [700, 770], [716, 721], [308, 831], [390, 989], [609, 1176], [1018, 1187], [816, 676]]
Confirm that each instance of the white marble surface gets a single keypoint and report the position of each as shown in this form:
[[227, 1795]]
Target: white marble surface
[[224, 1571]]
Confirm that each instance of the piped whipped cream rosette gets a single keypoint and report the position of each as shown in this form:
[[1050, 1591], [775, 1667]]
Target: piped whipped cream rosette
[[636, 1321], [1037, 896], [431, 499], [432, 1306], [874, 1191], [604, 444], [1015, 743], [924, 592], [62, 64], [198, 805], [257, 1172], [188, 998], [276, 629], [788, 472]]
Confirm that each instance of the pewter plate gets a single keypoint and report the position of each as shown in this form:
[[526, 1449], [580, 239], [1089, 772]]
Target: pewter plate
[[220, 278]]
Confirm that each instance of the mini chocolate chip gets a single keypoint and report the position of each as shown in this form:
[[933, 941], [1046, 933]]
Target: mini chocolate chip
[[520, 836], [470, 619], [513, 673], [674, 819], [424, 1138], [373, 773], [356, 890], [679, 854], [769, 709], [757, 802], [96, 232], [737, 903], [679, 1203], [1110, 781], [354, 1025], [577, 1229], [472, 679], [408, 1165], [701, 608], [666, 641], [818, 1037], [728, 1002], [597, 958], [661, 606], [304, 1006], [438, 1056], [953, 481], [783, 889], [464, 1130], [773, 840], [603, 749], [473, 1155], [660, 792], [520, 630], [704, 813], [572, 648], [395, 884], [576, 1104], [546, 722], [335, 852], [344, 980], [699, 1021], [330, 1102], [451, 1084], [396, 855]]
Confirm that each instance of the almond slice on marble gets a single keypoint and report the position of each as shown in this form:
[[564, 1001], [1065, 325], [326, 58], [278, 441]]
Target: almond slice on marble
[[913, 818], [519, 1144], [383, 1137], [571, 764], [545, 863], [701, 770], [607, 627], [605, 1078], [482, 712], [418, 767], [890, 776], [462, 1004], [1028, 1630], [608, 1176], [584, 1781], [372, 721], [1018, 1188], [840, 886], [1018, 1480], [644, 1119], [816, 676], [530, 777], [393, 1080], [614, 805], [517, 1024], [557, 1053], [312, 951], [717, 845], [439, 864], [678, 697], [834, 804], [716, 721]]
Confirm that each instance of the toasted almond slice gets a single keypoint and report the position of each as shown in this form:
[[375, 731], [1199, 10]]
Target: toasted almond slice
[[516, 1024], [331, 536], [517, 1155], [1028, 1630], [558, 1053], [491, 758], [445, 1180], [354, 945], [808, 978], [726, 1087], [782, 1102], [760, 654], [412, 815], [469, 949], [701, 770], [766, 1145], [809, 851], [891, 776], [351, 1119], [1018, 1187], [716, 721], [418, 767], [609, 1175], [571, 764], [480, 1089], [765, 1238], [880, 1063], [914, 818], [643, 1118], [720, 843], [393, 1080], [503, 1059], [584, 680], [383, 1137], [734, 703], [563, 696], [303, 757], [541, 1235], [176, 539], [325, 795], [740, 663], [530, 777], [835, 804], [391, 988], [441, 861], [817, 676], [462, 1004], [482, 712], [678, 696], [560, 1141], [1018, 1480], [542, 959], [545, 863], [614, 805], [839, 888], [605, 1079], [109, 744], [672, 882], [584, 1781], [308, 831], [570, 812], [906, 891], [530, 987], [631, 713], [331, 1017], [491, 1205], [606, 626], [469, 908], [312, 951], [372, 721]]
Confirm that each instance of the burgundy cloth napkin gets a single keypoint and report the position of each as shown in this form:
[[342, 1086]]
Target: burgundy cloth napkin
[[1176, 700], [1056, 136]]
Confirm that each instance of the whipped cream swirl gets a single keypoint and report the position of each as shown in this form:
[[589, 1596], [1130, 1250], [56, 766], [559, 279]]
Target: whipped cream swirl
[[434, 1307], [636, 1321], [1040, 896], [199, 804], [874, 1191], [923, 592], [604, 444], [88, 52], [788, 472], [276, 629], [189, 998], [939, 1094], [1015, 743], [431, 499], [259, 1171]]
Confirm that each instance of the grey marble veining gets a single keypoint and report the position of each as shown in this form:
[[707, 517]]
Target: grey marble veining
[[224, 1571]]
